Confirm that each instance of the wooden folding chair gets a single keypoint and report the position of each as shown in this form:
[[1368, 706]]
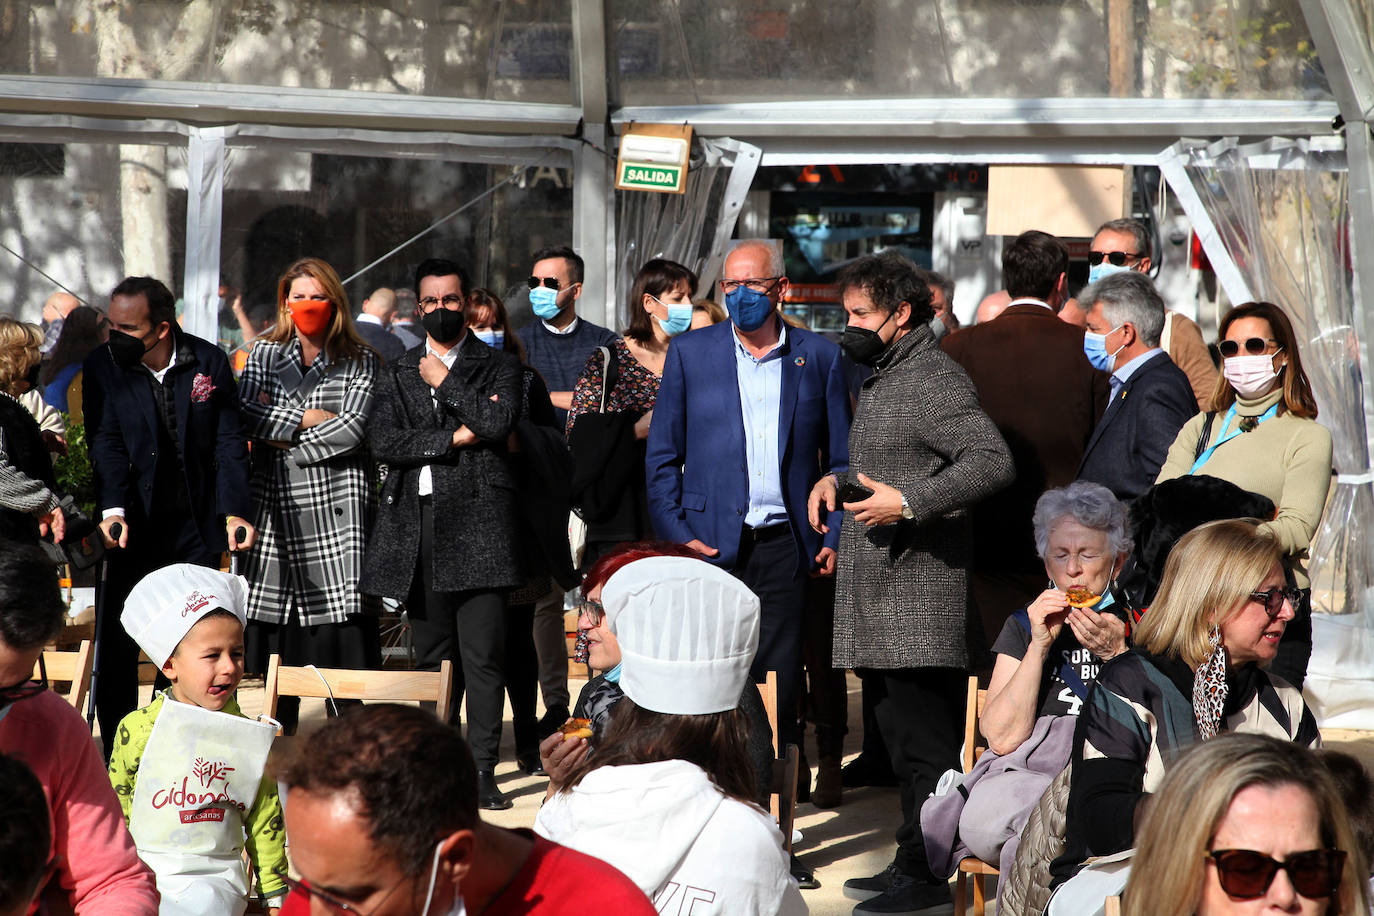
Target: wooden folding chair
[[72, 668], [782, 792], [971, 868], [350, 684]]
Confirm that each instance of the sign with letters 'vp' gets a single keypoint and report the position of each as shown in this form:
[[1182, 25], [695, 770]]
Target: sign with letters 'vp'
[[653, 157]]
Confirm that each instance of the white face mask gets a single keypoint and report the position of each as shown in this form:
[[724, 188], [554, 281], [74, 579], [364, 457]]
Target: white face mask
[[1251, 376], [458, 908]]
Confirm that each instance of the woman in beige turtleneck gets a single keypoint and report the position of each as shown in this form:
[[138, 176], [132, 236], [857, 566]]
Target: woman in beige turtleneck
[[1265, 438]]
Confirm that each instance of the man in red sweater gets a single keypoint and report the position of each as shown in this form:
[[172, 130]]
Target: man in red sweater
[[381, 815], [93, 868]]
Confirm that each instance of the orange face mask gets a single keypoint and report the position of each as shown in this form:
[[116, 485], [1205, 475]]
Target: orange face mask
[[311, 316]]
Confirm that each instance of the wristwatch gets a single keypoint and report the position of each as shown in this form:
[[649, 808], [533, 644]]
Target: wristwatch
[[907, 512]]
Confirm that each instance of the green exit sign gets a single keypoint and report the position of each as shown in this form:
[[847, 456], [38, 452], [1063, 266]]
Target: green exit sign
[[643, 176]]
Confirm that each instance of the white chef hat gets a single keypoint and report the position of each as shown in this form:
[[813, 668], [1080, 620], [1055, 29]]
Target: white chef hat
[[688, 632], [165, 604]]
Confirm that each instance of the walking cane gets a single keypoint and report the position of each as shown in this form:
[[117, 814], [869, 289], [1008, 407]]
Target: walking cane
[[239, 534], [115, 531]]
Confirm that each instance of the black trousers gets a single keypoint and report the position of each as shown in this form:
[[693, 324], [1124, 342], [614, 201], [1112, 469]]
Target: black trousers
[[827, 693], [921, 714], [468, 627], [768, 565], [153, 544], [522, 677]]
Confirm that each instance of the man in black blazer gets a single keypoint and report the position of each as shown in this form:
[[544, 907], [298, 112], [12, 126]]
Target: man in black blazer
[[1151, 398], [170, 463], [445, 541]]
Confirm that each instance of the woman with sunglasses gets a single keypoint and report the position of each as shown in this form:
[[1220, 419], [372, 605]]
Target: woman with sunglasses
[[1262, 435], [1197, 669], [1247, 824]]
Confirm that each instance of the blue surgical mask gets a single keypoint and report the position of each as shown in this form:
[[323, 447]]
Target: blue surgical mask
[[613, 675], [679, 317], [1104, 268], [492, 337], [1095, 348], [937, 327], [748, 309], [544, 301]]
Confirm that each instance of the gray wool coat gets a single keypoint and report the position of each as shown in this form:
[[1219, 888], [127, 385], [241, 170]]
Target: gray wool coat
[[475, 521], [901, 591]]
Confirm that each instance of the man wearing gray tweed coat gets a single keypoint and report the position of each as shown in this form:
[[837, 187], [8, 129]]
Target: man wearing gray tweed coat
[[927, 452]]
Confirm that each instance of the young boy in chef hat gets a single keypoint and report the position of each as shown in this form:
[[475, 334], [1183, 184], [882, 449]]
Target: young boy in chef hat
[[188, 767]]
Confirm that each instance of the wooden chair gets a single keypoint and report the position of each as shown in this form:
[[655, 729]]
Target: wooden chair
[[971, 868], [72, 668], [349, 684], [782, 793]]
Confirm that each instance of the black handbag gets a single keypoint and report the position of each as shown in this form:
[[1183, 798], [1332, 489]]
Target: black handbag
[[82, 545]]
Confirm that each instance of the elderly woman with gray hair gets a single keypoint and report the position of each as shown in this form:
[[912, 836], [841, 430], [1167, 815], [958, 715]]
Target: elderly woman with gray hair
[[1047, 657]]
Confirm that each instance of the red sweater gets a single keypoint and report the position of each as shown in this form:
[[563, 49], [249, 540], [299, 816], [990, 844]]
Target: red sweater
[[554, 881], [93, 856]]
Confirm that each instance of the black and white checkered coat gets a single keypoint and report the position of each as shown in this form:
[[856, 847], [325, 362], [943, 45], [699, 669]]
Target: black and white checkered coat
[[313, 503], [901, 590]]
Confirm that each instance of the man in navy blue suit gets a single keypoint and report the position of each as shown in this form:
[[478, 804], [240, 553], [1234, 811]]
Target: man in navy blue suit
[[170, 463], [1151, 398], [749, 415]]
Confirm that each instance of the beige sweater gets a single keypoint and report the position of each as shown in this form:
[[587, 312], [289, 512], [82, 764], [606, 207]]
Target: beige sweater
[[1286, 458]]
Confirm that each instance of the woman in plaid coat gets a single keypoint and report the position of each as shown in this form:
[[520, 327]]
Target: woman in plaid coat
[[306, 393]]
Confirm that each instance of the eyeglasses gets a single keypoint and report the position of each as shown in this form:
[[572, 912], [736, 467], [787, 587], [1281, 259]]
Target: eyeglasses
[[550, 282], [1117, 258], [331, 901], [1253, 345], [1246, 874], [1273, 598], [757, 284], [25, 688], [429, 303], [591, 610]]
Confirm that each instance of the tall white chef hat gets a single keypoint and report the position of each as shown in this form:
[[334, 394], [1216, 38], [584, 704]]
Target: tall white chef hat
[[688, 632], [165, 604]]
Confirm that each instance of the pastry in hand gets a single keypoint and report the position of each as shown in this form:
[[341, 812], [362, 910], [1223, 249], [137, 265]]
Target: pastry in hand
[[576, 728], [1081, 596]]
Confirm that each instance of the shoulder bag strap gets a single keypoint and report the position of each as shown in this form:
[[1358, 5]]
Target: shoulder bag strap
[[1206, 435]]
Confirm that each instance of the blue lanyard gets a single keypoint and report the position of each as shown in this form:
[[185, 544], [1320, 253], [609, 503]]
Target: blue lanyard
[[1227, 437]]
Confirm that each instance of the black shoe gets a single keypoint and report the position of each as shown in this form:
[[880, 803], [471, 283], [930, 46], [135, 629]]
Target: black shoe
[[805, 877], [864, 888], [489, 795], [906, 896], [529, 763], [861, 772], [551, 719]]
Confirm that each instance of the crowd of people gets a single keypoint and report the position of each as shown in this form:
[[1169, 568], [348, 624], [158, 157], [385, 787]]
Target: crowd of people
[[747, 498]]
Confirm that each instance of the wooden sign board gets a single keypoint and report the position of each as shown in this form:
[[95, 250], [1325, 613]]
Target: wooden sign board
[[653, 157], [1069, 201]]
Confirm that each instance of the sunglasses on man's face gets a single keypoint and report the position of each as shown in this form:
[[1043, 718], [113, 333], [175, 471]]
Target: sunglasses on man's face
[[1245, 874], [1115, 258], [1255, 346], [550, 282]]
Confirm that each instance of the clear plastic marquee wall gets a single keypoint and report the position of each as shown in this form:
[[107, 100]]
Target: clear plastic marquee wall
[[205, 141]]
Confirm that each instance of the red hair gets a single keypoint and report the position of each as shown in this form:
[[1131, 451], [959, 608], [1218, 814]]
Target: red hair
[[625, 554]]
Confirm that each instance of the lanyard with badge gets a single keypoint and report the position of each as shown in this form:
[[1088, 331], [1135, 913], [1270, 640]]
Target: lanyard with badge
[[1227, 434]]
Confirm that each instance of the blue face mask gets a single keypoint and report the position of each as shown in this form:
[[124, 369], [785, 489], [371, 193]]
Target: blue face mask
[[679, 317], [492, 337], [544, 301], [1103, 269], [748, 309], [1095, 348]]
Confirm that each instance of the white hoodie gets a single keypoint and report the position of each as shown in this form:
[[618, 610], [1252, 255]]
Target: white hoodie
[[673, 833]]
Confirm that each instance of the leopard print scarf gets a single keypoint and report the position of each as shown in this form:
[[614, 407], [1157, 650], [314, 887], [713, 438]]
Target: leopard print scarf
[[1209, 688]]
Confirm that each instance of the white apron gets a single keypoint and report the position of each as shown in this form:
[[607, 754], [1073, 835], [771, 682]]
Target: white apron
[[197, 782]]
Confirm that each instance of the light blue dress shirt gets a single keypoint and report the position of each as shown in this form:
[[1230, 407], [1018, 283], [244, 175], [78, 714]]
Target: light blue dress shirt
[[1123, 373], [760, 397]]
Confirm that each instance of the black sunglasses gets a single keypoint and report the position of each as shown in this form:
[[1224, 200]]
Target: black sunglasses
[[1273, 598], [550, 282], [1117, 258], [1246, 874], [1255, 346]]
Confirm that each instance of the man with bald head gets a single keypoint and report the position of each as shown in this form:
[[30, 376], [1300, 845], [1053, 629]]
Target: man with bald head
[[374, 324], [55, 311], [749, 415]]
